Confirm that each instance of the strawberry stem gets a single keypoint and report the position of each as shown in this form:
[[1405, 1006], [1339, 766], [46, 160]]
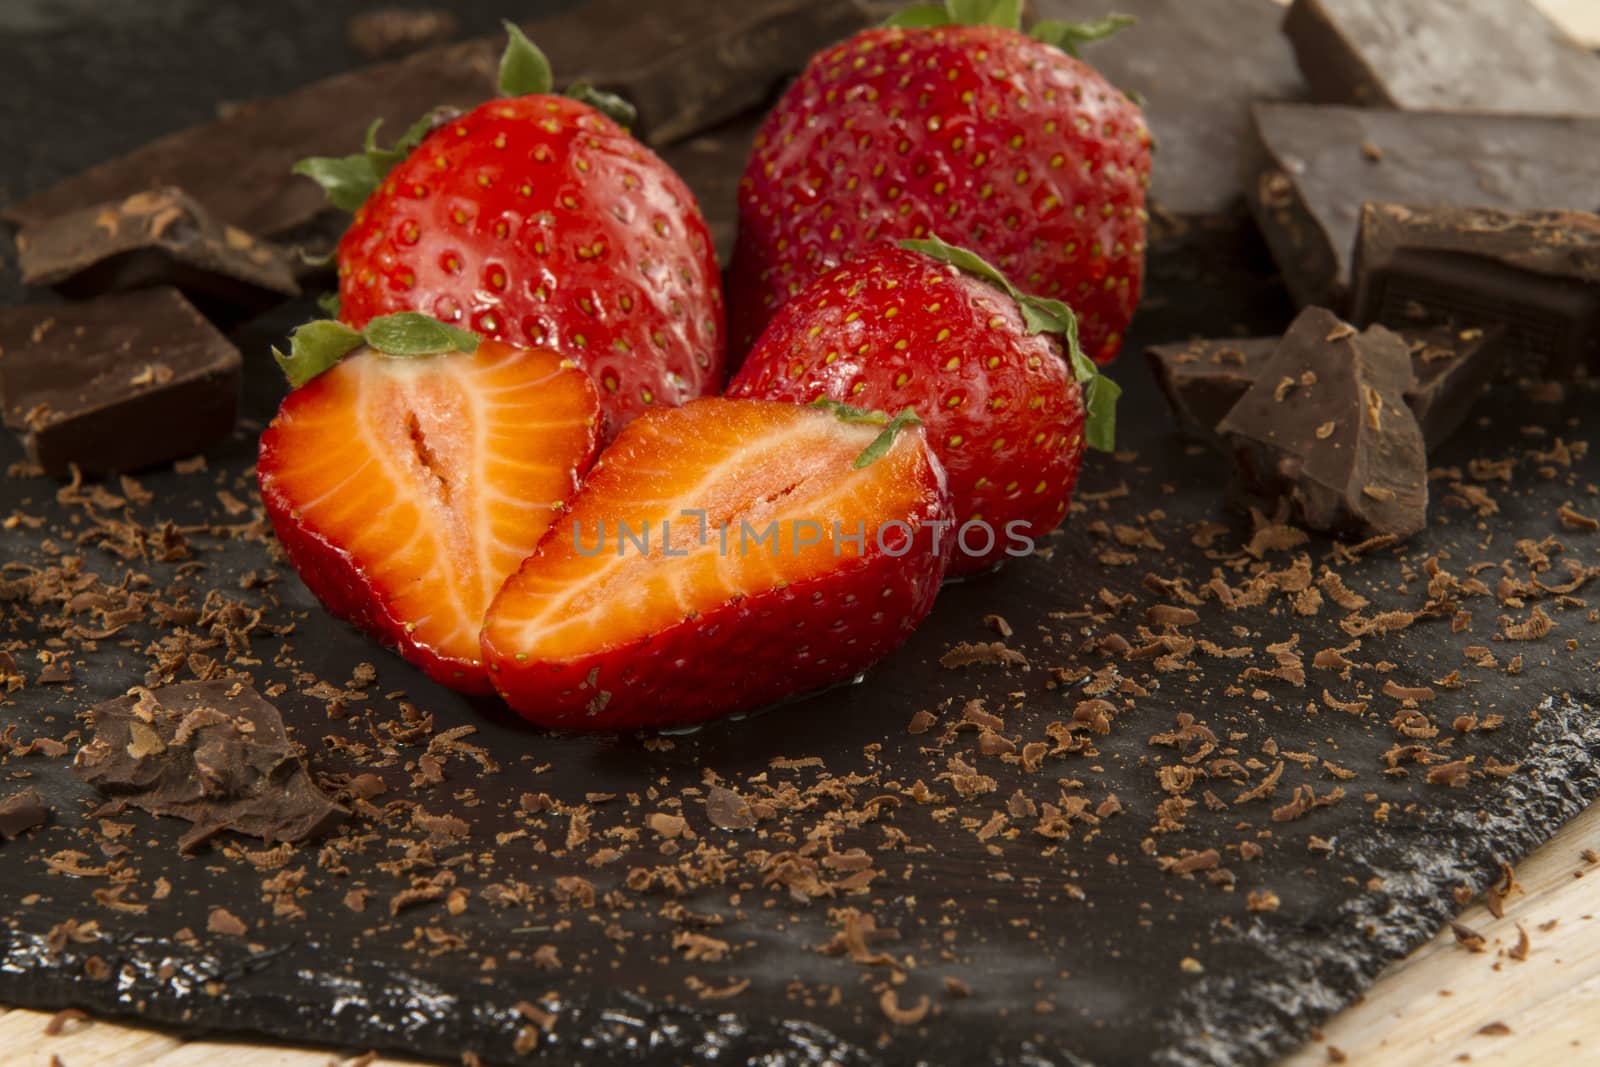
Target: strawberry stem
[[524, 69], [1067, 36], [884, 441], [1042, 315], [316, 347]]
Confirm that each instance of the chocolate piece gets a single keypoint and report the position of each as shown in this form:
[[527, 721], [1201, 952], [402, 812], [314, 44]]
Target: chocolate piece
[[1324, 163], [1198, 107], [1203, 380], [1445, 55], [21, 812], [116, 383], [1537, 273], [1451, 366], [396, 31], [1326, 426], [213, 753], [161, 237], [685, 66]]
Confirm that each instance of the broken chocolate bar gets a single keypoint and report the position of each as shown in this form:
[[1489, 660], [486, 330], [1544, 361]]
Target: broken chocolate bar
[[1323, 163], [1203, 380], [395, 31], [1442, 55], [1198, 105], [22, 811], [684, 66], [1536, 273], [116, 383], [1451, 366], [213, 753], [1326, 427], [161, 237]]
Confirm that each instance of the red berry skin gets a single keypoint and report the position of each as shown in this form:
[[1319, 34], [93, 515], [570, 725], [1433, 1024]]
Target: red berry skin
[[892, 329], [538, 221], [979, 135]]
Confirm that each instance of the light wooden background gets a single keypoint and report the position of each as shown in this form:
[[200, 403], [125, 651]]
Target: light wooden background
[[1442, 1004]]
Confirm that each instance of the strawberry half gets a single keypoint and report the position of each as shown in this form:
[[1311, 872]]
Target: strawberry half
[[537, 220], [999, 141], [657, 601], [997, 378], [406, 479]]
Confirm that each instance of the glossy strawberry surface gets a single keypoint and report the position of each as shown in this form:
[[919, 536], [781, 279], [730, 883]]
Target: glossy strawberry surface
[[893, 328], [979, 135], [539, 221], [703, 616]]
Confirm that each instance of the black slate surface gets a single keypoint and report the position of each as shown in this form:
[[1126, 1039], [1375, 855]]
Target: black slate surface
[[1072, 957]]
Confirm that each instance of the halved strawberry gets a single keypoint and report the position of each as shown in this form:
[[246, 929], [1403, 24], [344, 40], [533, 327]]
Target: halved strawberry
[[657, 600], [406, 487]]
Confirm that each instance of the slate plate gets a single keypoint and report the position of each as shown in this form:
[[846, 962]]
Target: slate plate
[[1075, 944]]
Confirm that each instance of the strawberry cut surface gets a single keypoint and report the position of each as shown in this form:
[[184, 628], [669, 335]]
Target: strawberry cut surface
[[405, 490], [703, 615], [539, 221]]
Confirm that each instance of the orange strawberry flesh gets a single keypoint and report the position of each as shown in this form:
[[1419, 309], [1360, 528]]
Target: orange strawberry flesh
[[746, 464], [438, 475]]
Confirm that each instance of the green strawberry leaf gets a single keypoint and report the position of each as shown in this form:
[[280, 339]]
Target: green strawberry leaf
[[329, 303], [524, 70], [919, 16], [610, 105], [1006, 13], [317, 346], [846, 413], [884, 441], [1070, 36], [349, 180], [1042, 315], [411, 333]]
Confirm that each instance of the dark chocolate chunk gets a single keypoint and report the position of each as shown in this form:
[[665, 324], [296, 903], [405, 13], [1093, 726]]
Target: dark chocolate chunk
[[213, 753], [1442, 55], [1197, 104], [1203, 380], [116, 383], [397, 31], [1322, 164], [1326, 426], [685, 66], [22, 811], [161, 237], [1536, 273], [1451, 366]]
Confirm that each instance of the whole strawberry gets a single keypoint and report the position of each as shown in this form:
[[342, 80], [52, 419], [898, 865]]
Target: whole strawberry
[[996, 377], [538, 221], [999, 141]]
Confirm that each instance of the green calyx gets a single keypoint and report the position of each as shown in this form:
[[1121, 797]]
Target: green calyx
[[1042, 315], [317, 346], [880, 445], [524, 71], [1067, 36]]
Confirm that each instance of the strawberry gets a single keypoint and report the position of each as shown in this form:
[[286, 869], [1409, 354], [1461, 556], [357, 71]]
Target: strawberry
[[985, 367], [998, 141], [407, 478], [721, 556], [538, 221]]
